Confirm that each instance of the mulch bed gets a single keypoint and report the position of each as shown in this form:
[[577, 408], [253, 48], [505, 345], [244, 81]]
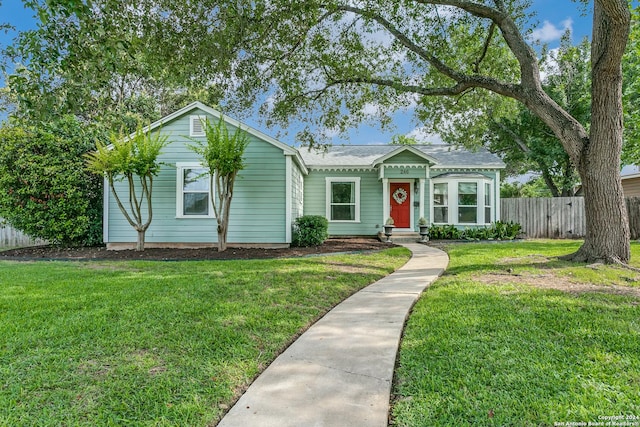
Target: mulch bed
[[100, 253]]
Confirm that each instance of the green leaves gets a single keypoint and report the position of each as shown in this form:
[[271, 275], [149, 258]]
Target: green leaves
[[631, 94], [223, 150], [44, 188], [128, 156], [222, 155], [131, 158]]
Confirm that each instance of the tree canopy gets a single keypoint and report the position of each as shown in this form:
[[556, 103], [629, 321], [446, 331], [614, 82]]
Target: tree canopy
[[325, 61]]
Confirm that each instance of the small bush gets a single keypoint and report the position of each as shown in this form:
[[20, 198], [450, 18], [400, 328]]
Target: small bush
[[444, 232], [310, 230], [507, 230], [496, 231]]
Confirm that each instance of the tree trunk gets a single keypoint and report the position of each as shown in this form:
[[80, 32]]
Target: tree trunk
[[607, 227], [222, 234], [140, 242]]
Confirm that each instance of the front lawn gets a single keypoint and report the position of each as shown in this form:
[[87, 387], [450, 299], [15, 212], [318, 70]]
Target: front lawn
[[156, 343], [510, 336]]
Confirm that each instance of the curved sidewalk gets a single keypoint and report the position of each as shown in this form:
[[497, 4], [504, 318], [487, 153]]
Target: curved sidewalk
[[339, 372]]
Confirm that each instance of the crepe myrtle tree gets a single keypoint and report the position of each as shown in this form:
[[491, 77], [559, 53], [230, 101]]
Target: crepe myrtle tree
[[132, 159], [222, 155]]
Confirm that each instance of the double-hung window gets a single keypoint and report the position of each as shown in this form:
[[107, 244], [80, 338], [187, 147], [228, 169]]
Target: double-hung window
[[487, 203], [193, 198], [343, 199], [441, 203], [467, 202]]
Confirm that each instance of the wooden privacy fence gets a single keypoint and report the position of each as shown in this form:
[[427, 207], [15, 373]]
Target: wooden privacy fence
[[10, 237], [558, 217]]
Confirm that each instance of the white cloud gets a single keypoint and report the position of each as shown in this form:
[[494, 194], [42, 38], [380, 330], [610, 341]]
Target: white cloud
[[329, 132], [550, 65], [549, 32], [421, 134], [371, 109]]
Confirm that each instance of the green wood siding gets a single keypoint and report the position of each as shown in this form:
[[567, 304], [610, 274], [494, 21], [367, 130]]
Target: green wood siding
[[370, 201], [297, 192], [405, 157], [258, 206], [405, 172]]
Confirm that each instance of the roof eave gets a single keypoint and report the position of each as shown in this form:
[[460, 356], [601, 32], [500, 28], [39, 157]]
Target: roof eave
[[469, 166]]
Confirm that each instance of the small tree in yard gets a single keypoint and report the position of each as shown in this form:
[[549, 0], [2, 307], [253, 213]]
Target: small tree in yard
[[128, 159], [222, 156]]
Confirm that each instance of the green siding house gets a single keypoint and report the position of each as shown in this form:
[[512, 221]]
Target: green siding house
[[356, 187]]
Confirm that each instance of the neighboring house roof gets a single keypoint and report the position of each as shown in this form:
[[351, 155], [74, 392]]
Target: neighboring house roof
[[441, 156], [630, 176]]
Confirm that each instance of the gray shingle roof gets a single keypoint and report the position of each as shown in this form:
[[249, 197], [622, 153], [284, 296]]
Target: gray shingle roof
[[366, 155]]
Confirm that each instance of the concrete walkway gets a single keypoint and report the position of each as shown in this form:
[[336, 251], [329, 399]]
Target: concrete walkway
[[339, 372]]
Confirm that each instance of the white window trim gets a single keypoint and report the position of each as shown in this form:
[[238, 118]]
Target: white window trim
[[433, 205], [491, 204], [331, 180], [180, 167], [453, 200], [477, 205], [192, 120]]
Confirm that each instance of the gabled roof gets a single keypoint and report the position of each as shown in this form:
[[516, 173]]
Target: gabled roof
[[288, 150], [403, 148], [441, 156]]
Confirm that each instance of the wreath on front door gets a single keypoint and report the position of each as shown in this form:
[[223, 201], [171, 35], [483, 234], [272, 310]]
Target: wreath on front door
[[400, 195]]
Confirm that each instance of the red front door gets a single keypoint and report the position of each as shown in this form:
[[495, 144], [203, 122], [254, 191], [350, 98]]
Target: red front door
[[400, 195]]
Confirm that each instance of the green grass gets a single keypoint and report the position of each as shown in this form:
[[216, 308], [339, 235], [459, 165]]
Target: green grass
[[489, 344], [156, 343]]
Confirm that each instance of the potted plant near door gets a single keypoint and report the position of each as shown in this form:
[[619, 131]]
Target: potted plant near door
[[388, 229], [424, 229]]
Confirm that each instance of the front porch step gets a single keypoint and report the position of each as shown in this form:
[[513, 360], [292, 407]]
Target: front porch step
[[401, 237]]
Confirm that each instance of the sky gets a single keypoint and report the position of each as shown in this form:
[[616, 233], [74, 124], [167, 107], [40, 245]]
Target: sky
[[553, 18]]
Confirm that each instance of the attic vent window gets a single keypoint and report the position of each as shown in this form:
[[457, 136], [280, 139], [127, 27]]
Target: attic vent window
[[197, 126]]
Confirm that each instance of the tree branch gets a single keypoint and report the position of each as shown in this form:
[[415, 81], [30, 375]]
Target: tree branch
[[485, 48], [464, 81], [517, 138], [529, 72]]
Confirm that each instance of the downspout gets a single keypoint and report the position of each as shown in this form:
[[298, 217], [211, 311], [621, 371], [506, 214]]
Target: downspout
[[288, 199], [105, 211]]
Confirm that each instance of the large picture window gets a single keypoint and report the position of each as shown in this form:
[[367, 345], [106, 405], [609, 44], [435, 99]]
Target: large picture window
[[462, 199], [343, 199], [193, 198]]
